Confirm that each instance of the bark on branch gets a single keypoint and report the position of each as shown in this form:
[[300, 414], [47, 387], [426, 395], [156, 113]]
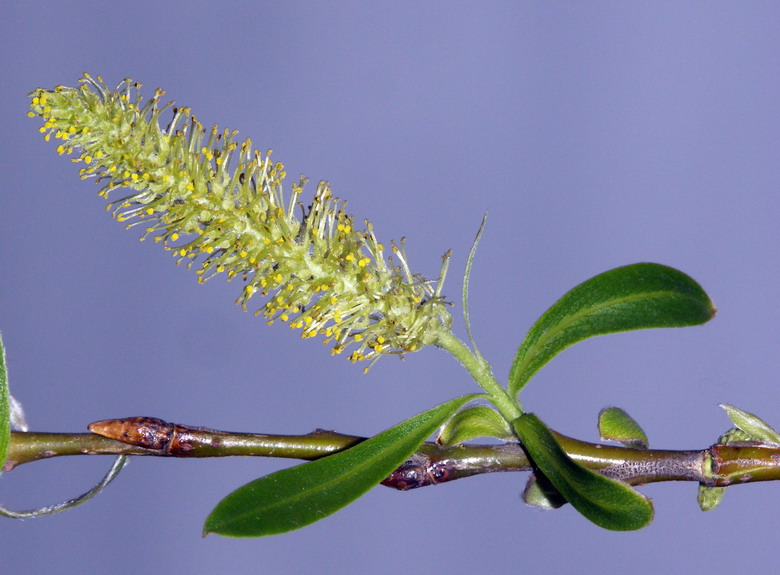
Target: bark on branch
[[718, 465]]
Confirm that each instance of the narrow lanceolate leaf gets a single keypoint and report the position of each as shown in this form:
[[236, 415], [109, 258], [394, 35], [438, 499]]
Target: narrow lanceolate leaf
[[5, 415], [617, 425], [473, 422], [637, 296], [466, 278], [606, 502], [296, 497], [753, 425]]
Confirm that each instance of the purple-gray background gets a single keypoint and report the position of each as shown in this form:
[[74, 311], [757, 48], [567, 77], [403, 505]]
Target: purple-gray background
[[595, 135]]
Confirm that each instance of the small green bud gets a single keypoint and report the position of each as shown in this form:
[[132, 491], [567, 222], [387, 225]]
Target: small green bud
[[709, 497], [617, 425]]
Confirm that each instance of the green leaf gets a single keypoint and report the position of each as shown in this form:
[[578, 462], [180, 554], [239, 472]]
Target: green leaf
[[753, 425], [540, 493], [298, 496], [5, 413], [617, 425], [637, 296], [473, 422], [709, 497], [606, 502]]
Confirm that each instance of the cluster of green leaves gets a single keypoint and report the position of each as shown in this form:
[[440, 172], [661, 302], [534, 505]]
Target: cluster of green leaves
[[638, 296], [632, 297]]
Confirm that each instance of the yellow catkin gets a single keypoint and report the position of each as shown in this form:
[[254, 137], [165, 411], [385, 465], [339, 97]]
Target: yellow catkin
[[238, 221]]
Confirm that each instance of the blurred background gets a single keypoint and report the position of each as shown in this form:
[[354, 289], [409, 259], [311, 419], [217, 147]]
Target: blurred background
[[594, 135]]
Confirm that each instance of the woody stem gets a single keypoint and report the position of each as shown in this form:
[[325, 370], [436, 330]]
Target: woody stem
[[718, 465]]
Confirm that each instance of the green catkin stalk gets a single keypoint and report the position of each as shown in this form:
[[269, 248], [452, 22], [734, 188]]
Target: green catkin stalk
[[219, 207]]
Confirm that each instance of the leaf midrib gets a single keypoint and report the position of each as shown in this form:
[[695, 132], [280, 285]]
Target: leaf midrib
[[561, 326]]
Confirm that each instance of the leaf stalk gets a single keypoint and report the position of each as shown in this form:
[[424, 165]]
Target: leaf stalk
[[480, 370]]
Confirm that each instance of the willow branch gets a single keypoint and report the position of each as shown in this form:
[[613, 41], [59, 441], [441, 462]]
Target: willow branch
[[718, 465]]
